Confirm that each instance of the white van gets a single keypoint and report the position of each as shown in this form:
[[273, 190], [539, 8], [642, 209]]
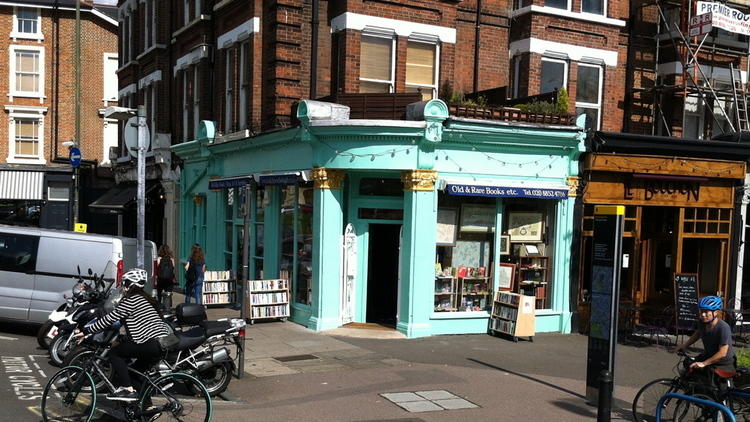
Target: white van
[[39, 266]]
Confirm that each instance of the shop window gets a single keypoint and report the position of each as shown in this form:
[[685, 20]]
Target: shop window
[[421, 66], [554, 75], [58, 191], [380, 214], [465, 252], [376, 71], [20, 212], [706, 221], [296, 240], [380, 186]]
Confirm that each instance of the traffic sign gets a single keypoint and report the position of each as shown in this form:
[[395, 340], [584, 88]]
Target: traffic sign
[[75, 157]]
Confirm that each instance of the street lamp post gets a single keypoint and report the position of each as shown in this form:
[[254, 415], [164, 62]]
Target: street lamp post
[[140, 146]]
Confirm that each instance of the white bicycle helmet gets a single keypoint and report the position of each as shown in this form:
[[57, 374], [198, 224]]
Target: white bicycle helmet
[[134, 277]]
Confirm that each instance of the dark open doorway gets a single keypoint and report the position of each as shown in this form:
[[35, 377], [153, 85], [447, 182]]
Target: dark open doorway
[[382, 273]]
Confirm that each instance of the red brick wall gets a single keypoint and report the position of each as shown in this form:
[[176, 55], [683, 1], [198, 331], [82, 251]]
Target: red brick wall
[[97, 37]]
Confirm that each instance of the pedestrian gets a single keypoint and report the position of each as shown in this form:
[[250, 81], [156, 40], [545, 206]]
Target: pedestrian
[[194, 270], [165, 277]]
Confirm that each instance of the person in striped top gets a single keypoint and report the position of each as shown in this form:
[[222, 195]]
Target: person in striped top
[[138, 312]]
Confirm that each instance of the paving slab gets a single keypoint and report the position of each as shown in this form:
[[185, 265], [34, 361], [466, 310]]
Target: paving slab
[[402, 397], [420, 406], [453, 404], [436, 395]]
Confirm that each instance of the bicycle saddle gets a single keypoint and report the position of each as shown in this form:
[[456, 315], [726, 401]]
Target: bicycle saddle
[[213, 328]]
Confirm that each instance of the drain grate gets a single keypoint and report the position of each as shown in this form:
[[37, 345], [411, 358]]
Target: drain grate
[[295, 357]]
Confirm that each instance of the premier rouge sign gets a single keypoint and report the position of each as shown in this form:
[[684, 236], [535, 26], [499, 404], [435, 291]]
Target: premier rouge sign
[[725, 17]]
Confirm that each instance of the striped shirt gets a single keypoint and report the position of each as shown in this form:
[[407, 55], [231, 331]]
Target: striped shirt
[[141, 320]]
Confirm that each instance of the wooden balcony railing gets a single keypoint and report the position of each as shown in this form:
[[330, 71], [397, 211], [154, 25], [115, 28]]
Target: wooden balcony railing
[[509, 114]]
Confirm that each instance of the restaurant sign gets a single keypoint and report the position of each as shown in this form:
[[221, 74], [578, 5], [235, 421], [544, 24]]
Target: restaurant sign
[[650, 189], [657, 190]]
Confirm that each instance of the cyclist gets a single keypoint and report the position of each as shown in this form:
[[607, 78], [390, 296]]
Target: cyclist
[[716, 335], [143, 324]]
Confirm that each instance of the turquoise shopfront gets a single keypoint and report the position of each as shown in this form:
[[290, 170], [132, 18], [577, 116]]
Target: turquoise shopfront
[[410, 223]]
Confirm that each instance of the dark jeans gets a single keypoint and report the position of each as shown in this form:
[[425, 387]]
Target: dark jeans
[[163, 286], [119, 356]]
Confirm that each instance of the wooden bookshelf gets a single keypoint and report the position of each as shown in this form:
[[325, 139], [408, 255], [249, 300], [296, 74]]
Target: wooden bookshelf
[[219, 288], [446, 292], [533, 278], [267, 299], [513, 315], [475, 293]]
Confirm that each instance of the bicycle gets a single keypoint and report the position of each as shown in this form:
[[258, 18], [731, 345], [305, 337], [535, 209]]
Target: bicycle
[[688, 383], [71, 395]]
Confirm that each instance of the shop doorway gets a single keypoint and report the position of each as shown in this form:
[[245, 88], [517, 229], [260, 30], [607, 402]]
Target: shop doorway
[[658, 254], [382, 273]]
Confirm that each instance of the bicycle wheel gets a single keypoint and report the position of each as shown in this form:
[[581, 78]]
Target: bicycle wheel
[[175, 397], [70, 396], [644, 404], [690, 411], [81, 356]]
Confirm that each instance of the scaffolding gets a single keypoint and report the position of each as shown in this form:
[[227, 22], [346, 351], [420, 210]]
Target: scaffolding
[[708, 79]]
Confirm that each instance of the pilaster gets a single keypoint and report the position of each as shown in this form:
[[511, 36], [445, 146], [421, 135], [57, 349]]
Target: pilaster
[[328, 227], [418, 253]]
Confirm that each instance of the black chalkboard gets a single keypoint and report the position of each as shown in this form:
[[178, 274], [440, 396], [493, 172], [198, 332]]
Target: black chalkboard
[[686, 299]]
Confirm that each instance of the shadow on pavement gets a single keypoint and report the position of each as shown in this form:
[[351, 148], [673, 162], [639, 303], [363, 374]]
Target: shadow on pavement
[[530, 378]]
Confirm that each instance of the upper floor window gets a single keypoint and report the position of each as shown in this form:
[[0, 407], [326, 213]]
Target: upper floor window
[[27, 71], [589, 94], [421, 69], [596, 7], [229, 125], [110, 77], [27, 23], [554, 75], [27, 138], [187, 11], [376, 70]]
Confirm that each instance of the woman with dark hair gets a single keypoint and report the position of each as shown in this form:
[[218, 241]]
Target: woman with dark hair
[[164, 275], [196, 263], [138, 312]]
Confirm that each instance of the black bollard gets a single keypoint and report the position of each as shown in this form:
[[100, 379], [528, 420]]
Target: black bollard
[[604, 412]]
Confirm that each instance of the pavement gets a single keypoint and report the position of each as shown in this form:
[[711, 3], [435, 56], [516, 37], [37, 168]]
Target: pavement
[[356, 374]]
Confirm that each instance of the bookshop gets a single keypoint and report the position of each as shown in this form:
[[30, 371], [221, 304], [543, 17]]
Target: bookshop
[[681, 217], [429, 225]]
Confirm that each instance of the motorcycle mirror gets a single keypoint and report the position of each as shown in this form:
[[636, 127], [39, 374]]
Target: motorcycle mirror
[[90, 272]]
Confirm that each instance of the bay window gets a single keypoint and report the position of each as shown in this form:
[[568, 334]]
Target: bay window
[[376, 71]]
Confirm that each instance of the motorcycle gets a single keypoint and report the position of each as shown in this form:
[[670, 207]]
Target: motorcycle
[[203, 351], [79, 296], [96, 302]]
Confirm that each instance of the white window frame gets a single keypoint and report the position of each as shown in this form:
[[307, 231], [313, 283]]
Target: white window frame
[[516, 77], [604, 9], [37, 36], [597, 106], [109, 141], [244, 86], [196, 102], [106, 58], [565, 72], [392, 81], [12, 77], [187, 12], [51, 199], [229, 89], [25, 113], [697, 115], [436, 65], [185, 105], [197, 8]]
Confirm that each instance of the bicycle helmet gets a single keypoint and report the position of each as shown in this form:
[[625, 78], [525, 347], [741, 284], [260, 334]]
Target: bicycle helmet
[[134, 277], [711, 303]]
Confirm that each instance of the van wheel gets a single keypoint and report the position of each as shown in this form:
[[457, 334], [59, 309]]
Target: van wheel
[[41, 335]]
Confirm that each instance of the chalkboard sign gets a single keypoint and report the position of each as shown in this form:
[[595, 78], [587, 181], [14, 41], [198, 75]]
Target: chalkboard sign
[[686, 299]]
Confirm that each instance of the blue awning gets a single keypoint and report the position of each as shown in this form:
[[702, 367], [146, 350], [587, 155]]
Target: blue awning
[[503, 188], [229, 182]]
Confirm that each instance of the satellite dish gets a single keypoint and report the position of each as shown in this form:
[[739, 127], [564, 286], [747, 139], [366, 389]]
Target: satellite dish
[[131, 136]]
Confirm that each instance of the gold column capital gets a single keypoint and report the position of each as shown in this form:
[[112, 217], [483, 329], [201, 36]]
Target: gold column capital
[[574, 186], [327, 178], [419, 180]]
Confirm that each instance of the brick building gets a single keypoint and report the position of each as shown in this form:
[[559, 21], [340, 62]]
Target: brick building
[[37, 79]]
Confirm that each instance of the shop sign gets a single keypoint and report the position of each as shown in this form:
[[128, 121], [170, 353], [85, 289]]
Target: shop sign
[[279, 179], [651, 189], [233, 182], [506, 192]]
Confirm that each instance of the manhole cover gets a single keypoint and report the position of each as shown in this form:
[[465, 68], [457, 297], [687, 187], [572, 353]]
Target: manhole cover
[[295, 357]]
